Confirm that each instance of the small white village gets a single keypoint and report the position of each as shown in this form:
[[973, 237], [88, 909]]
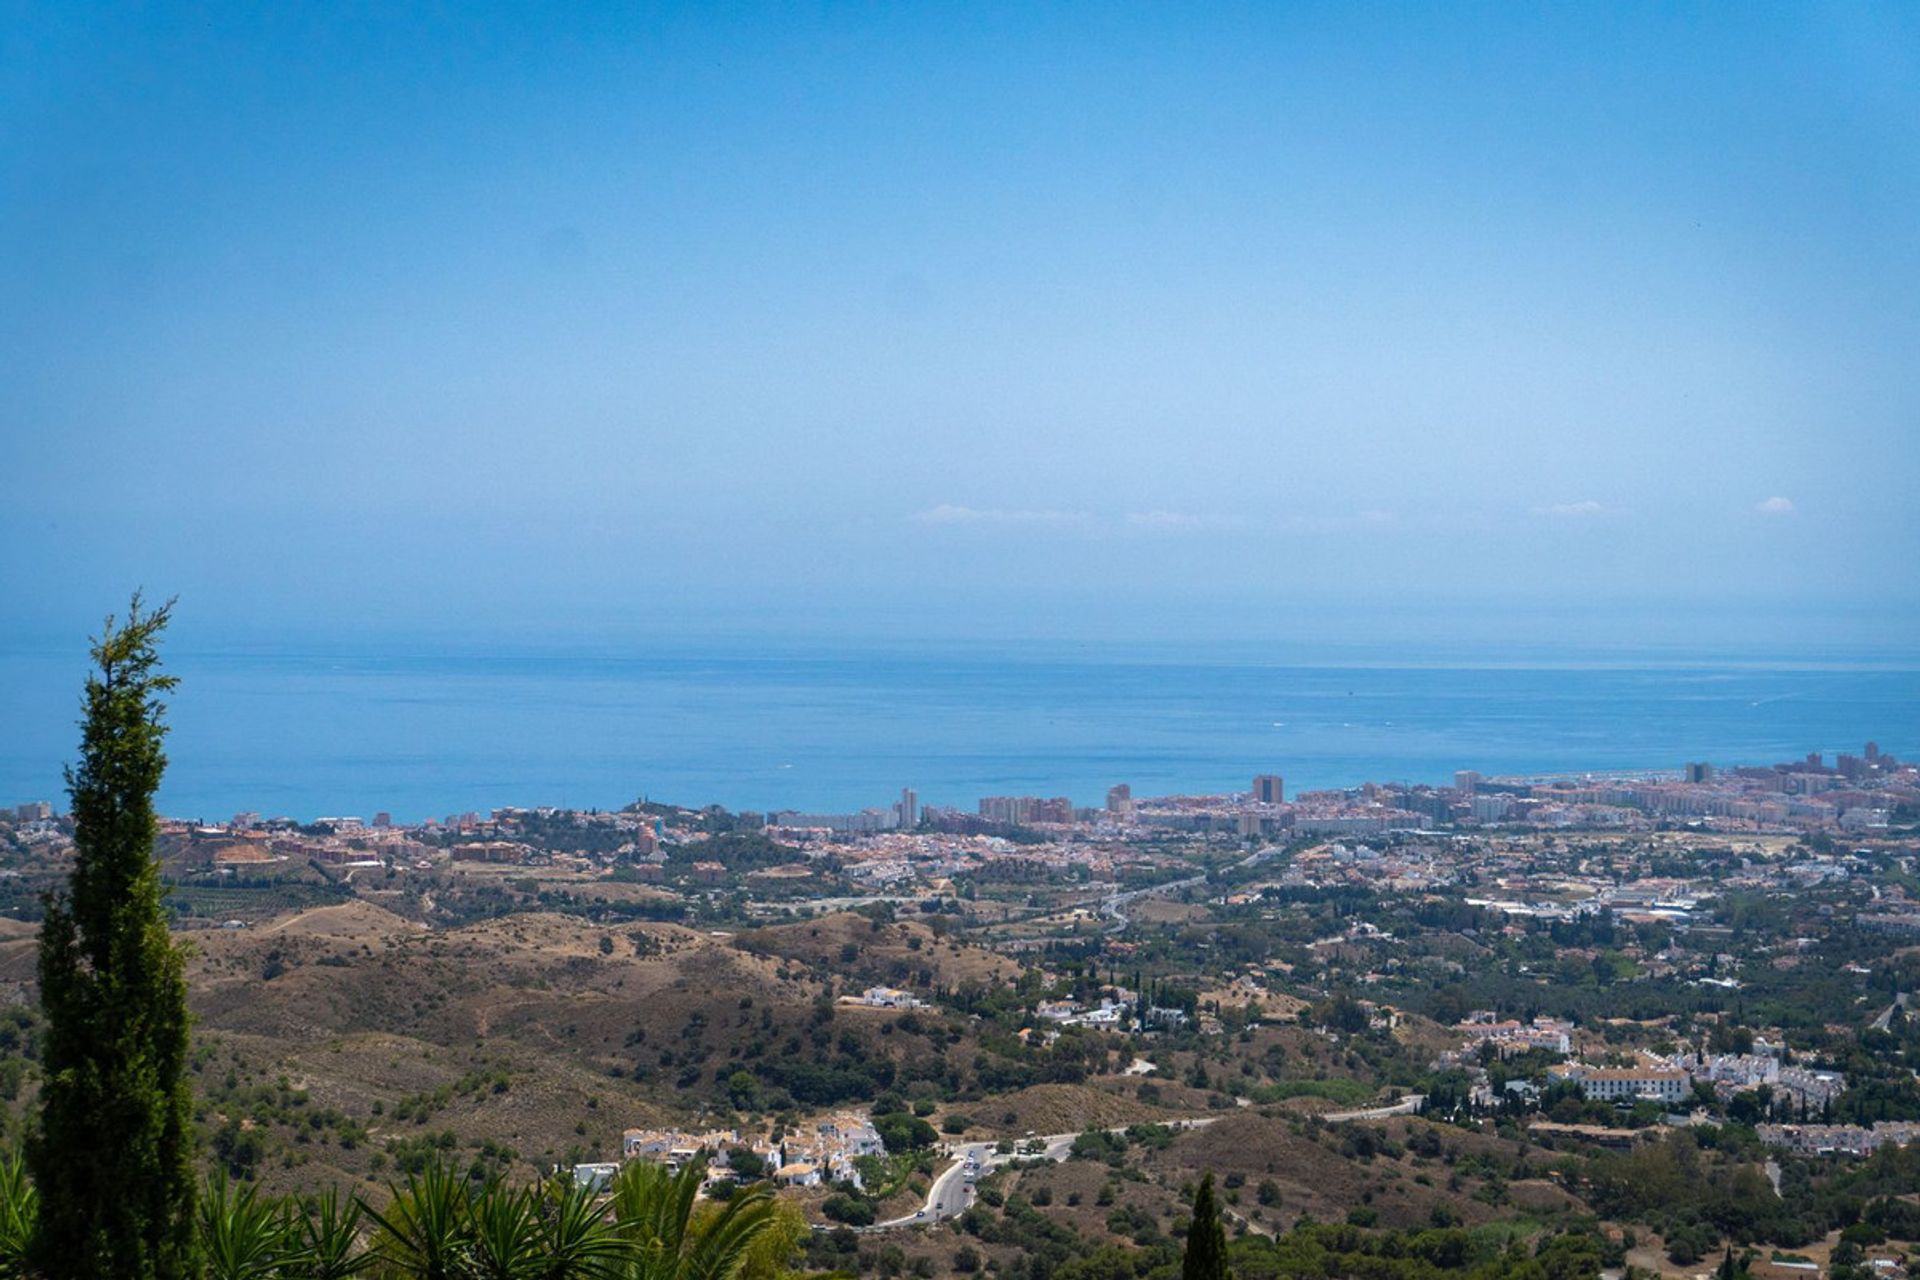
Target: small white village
[[827, 1151], [1669, 1080]]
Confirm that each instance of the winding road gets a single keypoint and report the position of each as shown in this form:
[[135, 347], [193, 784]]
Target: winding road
[[952, 1191], [1405, 1107]]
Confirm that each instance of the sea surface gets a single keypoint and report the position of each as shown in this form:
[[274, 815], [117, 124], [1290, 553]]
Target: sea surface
[[422, 730]]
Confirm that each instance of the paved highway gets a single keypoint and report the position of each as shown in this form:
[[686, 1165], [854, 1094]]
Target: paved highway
[[1405, 1107], [952, 1190]]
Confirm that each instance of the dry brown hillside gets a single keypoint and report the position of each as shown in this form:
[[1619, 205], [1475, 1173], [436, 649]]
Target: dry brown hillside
[[906, 953], [327, 1036], [1063, 1108], [1322, 1172]]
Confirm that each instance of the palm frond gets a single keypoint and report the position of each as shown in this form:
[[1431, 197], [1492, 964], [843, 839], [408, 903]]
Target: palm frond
[[330, 1232], [424, 1233], [243, 1237], [504, 1226], [19, 1213], [576, 1239], [654, 1211], [720, 1244]]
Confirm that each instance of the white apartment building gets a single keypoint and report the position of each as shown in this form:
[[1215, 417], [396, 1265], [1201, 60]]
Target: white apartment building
[[1630, 1084]]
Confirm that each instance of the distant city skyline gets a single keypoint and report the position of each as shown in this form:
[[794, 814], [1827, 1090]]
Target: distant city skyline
[[1287, 322], [1746, 791], [306, 728]]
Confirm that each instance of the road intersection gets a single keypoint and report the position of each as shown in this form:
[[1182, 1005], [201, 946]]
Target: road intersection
[[952, 1192]]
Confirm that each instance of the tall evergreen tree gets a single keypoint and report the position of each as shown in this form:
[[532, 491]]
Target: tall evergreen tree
[[112, 1154], [1206, 1256]]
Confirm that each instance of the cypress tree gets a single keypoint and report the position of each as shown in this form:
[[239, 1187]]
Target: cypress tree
[[112, 1154], [1206, 1255]]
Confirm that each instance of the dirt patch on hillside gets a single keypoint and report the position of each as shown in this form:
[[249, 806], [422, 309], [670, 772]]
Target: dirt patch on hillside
[[906, 954], [1061, 1108], [352, 921]]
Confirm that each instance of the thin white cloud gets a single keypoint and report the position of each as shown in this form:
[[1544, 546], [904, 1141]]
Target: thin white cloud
[[1163, 520], [948, 513], [1157, 522], [1372, 518], [1574, 510], [1774, 506], [1173, 521]]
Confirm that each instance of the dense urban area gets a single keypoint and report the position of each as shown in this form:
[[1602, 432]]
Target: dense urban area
[[1558, 1027]]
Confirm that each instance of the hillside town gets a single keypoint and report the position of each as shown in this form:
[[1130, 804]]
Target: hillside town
[[825, 1150], [1481, 833]]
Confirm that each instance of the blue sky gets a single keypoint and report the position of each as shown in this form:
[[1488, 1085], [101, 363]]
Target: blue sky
[[1055, 320]]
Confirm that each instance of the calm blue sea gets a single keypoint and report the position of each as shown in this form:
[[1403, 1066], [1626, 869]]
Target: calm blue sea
[[420, 730]]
